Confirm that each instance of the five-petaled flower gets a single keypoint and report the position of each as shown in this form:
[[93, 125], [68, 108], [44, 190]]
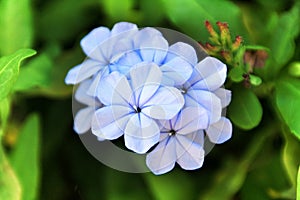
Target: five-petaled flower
[[133, 105]]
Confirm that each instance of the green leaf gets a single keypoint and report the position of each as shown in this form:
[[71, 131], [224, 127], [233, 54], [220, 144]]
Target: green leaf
[[298, 184], [39, 70], [4, 113], [166, 186], [9, 70], [294, 69], [282, 43], [230, 178], [121, 10], [290, 157], [260, 23], [255, 80], [190, 16], [9, 184], [25, 157], [287, 99], [236, 74], [16, 25], [152, 12], [65, 21], [245, 110]]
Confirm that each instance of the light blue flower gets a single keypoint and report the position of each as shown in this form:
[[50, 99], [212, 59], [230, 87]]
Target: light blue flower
[[83, 118], [208, 76], [181, 141], [102, 47], [176, 62], [134, 105]]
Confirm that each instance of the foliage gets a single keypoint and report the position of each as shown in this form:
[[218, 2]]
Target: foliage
[[42, 158]]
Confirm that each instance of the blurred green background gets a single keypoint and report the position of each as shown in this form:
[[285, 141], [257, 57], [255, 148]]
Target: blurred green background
[[42, 158]]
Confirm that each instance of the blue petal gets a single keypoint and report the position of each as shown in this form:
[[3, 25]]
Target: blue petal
[[197, 137], [154, 49], [145, 34], [145, 80], [91, 41], [82, 96], [184, 51], [220, 131], [141, 133], [191, 154], [191, 119], [114, 89], [178, 70], [224, 95], [83, 120], [209, 74], [206, 99], [164, 104], [110, 122], [93, 89], [123, 27], [129, 59], [83, 71], [121, 46], [162, 159]]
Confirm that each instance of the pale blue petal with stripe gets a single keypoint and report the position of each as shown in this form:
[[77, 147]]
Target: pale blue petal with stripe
[[145, 80], [206, 99], [176, 71], [190, 154], [220, 131], [92, 40], [110, 122], [154, 49], [164, 104], [83, 71], [141, 133], [209, 74], [224, 95], [115, 90], [163, 158], [184, 51], [83, 119], [191, 119]]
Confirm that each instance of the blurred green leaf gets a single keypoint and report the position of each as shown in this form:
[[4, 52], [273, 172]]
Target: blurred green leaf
[[9, 70], [121, 10], [64, 21], [25, 158], [245, 109], [298, 184], [152, 12], [255, 80], [118, 186], [4, 113], [230, 178], [260, 23], [16, 25], [267, 175], [190, 16], [294, 69], [38, 69], [174, 185], [287, 99], [9, 185], [290, 160], [282, 43], [236, 74]]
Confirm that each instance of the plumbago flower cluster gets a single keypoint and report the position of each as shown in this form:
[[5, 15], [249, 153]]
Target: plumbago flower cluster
[[158, 96]]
